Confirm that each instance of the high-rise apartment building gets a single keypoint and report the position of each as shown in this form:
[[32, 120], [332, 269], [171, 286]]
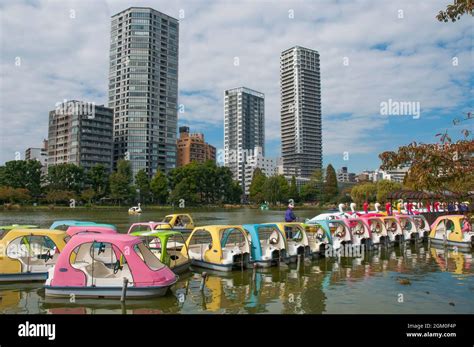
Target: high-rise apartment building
[[143, 88], [192, 147], [80, 133], [300, 82], [244, 128]]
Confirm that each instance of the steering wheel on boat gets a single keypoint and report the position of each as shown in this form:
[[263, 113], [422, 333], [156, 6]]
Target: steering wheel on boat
[[117, 266]]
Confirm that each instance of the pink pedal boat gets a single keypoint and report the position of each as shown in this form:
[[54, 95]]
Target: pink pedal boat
[[84, 269]]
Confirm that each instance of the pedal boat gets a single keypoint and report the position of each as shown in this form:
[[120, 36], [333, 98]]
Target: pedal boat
[[80, 272], [64, 224], [28, 254], [394, 229], [447, 230], [168, 246], [179, 221], [267, 245], [378, 231], [422, 225], [218, 247], [297, 242], [6, 228], [410, 231], [74, 230], [360, 233], [340, 233], [319, 237]]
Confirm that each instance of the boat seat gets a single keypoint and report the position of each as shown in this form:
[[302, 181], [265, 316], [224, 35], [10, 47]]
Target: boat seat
[[195, 250], [100, 270]]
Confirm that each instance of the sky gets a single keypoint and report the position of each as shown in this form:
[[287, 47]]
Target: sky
[[372, 53]]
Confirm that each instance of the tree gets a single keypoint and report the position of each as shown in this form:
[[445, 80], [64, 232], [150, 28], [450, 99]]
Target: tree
[[256, 193], [24, 174], [233, 193], [293, 190], [121, 181], [185, 191], [57, 195], [87, 195], [98, 180], [142, 182], [455, 11], [435, 167], [12, 195], [276, 189], [330, 185], [159, 187], [68, 177], [363, 192], [384, 187], [312, 190]]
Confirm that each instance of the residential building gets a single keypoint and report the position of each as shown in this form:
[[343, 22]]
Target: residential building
[[301, 137], [80, 133], [143, 88], [244, 129], [343, 175], [40, 154], [257, 160], [192, 147]]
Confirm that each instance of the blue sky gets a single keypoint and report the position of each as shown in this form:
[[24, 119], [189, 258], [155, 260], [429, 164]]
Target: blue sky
[[371, 51]]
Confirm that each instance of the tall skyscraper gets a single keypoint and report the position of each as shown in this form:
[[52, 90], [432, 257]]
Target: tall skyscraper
[[244, 128], [301, 141], [143, 88]]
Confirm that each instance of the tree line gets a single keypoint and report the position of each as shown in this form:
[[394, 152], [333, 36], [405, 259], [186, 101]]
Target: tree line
[[196, 183]]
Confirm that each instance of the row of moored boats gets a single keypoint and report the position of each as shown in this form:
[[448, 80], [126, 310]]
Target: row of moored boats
[[88, 259]]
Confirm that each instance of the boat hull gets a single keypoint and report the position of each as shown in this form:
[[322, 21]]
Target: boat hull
[[24, 277], [106, 292], [181, 268], [212, 266], [464, 245]]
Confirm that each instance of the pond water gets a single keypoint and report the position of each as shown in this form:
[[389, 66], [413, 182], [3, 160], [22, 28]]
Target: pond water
[[413, 279]]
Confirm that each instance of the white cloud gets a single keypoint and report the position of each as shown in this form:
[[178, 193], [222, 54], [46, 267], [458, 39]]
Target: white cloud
[[68, 58]]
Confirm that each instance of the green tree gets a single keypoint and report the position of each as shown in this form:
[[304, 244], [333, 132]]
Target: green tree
[[293, 190], [98, 180], [68, 177], [121, 182], [330, 185], [88, 195], [185, 191], [159, 187], [22, 174], [55, 196], [363, 192], [276, 189], [256, 193], [312, 190], [142, 182], [384, 187]]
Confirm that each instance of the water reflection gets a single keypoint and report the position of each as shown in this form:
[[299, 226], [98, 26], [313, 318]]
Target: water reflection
[[311, 289]]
